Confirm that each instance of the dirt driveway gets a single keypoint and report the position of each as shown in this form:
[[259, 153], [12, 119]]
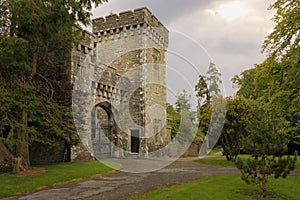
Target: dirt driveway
[[121, 185]]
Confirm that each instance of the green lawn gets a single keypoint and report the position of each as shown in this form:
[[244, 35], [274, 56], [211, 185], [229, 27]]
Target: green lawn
[[215, 150], [226, 187], [55, 174], [229, 187], [221, 161]]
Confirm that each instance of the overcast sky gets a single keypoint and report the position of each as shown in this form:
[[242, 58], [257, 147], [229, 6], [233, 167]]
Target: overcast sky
[[229, 32]]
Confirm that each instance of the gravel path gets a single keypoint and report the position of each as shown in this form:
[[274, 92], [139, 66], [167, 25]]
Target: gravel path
[[121, 185]]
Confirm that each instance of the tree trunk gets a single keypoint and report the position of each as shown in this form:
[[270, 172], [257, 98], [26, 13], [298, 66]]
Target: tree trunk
[[16, 165], [22, 150], [5, 154], [67, 153], [6, 158], [264, 187], [226, 146], [34, 65], [264, 178]]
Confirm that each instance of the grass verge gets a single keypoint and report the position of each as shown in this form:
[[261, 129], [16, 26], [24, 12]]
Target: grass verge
[[215, 150], [221, 161], [227, 187], [54, 174]]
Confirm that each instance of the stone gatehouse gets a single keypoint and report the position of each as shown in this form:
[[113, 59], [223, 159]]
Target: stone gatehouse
[[125, 56]]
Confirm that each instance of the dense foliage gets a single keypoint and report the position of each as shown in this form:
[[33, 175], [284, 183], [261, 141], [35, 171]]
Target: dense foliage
[[267, 147], [276, 83], [273, 88], [36, 38], [224, 123], [237, 118], [182, 119]]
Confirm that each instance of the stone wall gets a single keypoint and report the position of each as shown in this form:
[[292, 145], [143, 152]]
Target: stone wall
[[134, 43], [115, 23], [44, 153], [126, 63], [80, 153], [193, 150], [82, 52]]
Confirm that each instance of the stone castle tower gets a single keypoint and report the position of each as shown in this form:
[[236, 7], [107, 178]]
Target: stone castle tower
[[127, 53]]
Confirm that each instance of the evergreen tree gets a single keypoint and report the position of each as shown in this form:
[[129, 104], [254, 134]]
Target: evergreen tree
[[267, 147], [36, 39], [208, 85], [213, 79], [237, 118], [210, 105], [183, 101]]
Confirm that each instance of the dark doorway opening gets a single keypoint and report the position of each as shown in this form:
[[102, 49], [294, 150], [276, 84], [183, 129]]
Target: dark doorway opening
[[135, 141]]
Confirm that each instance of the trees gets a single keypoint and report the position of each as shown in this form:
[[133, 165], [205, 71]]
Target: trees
[[36, 39], [224, 122], [276, 81], [273, 88], [17, 97], [267, 146], [173, 119], [208, 85], [202, 91], [213, 79], [245, 84], [206, 89], [285, 38], [237, 117], [284, 61], [183, 101], [182, 118], [204, 119], [210, 107]]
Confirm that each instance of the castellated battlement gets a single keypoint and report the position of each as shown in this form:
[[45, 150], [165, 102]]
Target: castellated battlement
[[130, 23]]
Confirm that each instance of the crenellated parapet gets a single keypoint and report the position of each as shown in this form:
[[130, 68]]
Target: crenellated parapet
[[82, 52], [131, 23]]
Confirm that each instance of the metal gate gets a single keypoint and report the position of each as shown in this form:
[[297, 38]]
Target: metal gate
[[103, 142]]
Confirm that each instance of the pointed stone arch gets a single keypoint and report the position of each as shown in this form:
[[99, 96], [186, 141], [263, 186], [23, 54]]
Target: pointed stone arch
[[104, 130]]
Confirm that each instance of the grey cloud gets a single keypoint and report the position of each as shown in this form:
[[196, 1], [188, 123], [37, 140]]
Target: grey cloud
[[170, 10], [165, 10], [236, 47]]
